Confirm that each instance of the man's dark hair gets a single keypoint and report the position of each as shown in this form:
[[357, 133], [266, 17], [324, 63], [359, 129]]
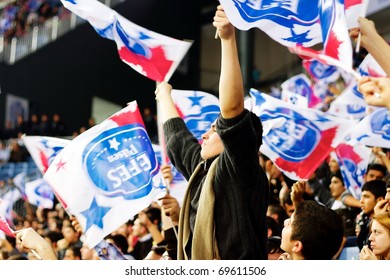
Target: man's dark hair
[[277, 209], [120, 241], [338, 175], [377, 166], [319, 228], [154, 215], [376, 187], [76, 251], [274, 226]]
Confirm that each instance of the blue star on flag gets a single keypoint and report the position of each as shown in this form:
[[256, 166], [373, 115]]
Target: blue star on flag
[[143, 36], [44, 143], [94, 214], [196, 100], [106, 32]]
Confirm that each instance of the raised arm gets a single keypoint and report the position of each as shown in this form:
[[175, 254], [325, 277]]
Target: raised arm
[[31, 240], [167, 109], [373, 43], [231, 88], [376, 91]]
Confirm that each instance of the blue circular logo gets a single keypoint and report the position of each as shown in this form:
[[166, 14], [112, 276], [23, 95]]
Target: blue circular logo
[[380, 123], [295, 139], [121, 162]]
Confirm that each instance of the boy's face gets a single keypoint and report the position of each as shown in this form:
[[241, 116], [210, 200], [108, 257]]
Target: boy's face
[[368, 202], [373, 174], [212, 144], [286, 243]]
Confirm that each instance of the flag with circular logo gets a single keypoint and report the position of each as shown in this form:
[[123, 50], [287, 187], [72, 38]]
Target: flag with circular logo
[[107, 174]]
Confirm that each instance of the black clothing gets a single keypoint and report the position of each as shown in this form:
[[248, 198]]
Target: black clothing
[[240, 185]]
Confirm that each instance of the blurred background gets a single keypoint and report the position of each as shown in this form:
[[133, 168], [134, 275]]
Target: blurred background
[[54, 63]]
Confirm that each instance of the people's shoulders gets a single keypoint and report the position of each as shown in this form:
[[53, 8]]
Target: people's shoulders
[[346, 193], [228, 122]]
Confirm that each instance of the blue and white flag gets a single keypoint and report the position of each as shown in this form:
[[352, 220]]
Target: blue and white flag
[[107, 174], [374, 129], [7, 203], [151, 54], [44, 149], [198, 109], [335, 35], [178, 186], [370, 67], [353, 159], [297, 90], [354, 9], [294, 23], [40, 193], [290, 23], [321, 72], [349, 104], [297, 140], [20, 184]]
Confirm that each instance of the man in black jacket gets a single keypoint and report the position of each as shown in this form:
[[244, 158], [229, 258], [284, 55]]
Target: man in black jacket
[[224, 210]]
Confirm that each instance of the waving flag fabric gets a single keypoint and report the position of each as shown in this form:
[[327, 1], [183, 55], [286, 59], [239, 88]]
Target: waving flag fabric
[[20, 183], [307, 53], [5, 227], [107, 174], [321, 72], [288, 22], [7, 204], [299, 139], [349, 104], [335, 36], [178, 186], [297, 90], [370, 67], [354, 9], [153, 55], [374, 129], [353, 159], [44, 149], [197, 108], [40, 193], [295, 23]]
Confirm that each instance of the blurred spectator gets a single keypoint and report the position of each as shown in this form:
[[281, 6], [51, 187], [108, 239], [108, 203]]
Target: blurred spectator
[[33, 126], [21, 126], [18, 154], [91, 122], [9, 131], [57, 126], [44, 125], [5, 152], [44, 12]]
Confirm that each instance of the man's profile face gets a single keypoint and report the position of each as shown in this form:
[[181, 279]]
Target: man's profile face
[[212, 144], [373, 174], [367, 201], [286, 243]]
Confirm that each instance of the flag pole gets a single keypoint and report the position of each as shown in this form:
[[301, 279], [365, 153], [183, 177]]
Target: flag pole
[[161, 141], [363, 12]]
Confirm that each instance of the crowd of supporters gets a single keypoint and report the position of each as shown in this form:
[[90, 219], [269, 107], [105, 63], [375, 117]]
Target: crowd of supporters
[[20, 16]]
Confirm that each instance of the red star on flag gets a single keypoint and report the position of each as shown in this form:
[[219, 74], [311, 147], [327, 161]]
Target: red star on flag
[[60, 165]]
